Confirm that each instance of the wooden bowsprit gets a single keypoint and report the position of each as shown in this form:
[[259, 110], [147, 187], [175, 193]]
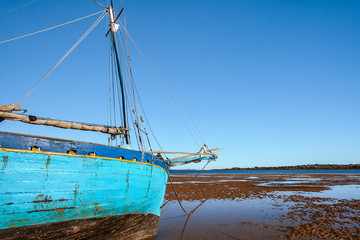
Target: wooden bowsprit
[[204, 154]]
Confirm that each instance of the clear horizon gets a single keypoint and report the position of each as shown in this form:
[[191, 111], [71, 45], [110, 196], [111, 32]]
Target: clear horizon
[[275, 83]]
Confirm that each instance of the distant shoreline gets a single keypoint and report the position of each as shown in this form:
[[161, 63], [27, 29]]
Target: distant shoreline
[[300, 167], [308, 167]]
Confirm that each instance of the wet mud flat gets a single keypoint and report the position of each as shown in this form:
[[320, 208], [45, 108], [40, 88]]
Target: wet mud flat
[[262, 206]]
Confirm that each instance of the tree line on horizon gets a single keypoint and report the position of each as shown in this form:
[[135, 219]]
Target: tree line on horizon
[[302, 167]]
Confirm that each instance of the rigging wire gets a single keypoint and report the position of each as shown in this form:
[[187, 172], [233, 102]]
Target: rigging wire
[[13, 10], [131, 104], [112, 109], [128, 88], [116, 100], [118, 87], [116, 82], [167, 73], [168, 95], [146, 119], [132, 82], [67, 53], [127, 76], [137, 95], [130, 85], [46, 29], [108, 82], [162, 86]]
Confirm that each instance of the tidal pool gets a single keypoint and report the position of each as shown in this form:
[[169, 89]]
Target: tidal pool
[[221, 219], [288, 206]]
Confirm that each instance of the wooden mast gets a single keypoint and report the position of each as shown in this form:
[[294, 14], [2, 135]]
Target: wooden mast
[[113, 28]]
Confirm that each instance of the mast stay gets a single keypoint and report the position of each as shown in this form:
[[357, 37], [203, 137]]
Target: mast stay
[[122, 102], [114, 27]]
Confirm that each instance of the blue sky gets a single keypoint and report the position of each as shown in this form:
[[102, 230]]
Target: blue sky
[[275, 82]]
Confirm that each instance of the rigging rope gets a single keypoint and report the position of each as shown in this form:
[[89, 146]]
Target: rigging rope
[[146, 119], [130, 84], [130, 89], [135, 91], [167, 73], [130, 104], [68, 52], [181, 114], [177, 196], [26, 35], [162, 86], [136, 94], [13, 10]]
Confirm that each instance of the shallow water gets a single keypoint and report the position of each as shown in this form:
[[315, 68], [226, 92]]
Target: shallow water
[[291, 182], [206, 172], [264, 216], [219, 219], [348, 192], [215, 181]]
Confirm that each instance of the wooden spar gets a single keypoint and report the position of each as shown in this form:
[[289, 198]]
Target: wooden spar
[[10, 107], [193, 154], [63, 124], [209, 152], [214, 149]]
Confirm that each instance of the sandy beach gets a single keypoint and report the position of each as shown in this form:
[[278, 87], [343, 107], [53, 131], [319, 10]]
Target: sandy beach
[[263, 206]]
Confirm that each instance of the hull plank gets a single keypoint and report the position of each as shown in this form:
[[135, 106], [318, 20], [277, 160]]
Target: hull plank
[[45, 144], [140, 226], [39, 188]]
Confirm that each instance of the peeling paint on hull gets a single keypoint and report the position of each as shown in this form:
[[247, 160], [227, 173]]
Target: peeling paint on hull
[[43, 188]]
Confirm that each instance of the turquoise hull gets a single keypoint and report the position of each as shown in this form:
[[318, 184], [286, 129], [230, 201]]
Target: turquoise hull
[[45, 187]]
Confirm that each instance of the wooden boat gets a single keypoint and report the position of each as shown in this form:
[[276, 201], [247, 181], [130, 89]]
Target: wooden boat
[[54, 188]]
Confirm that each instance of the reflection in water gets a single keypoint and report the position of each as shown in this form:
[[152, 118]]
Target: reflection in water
[[339, 192], [272, 211], [303, 181], [220, 219], [182, 216], [188, 217]]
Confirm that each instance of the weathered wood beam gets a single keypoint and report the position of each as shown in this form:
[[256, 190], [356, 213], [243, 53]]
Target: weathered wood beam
[[62, 124]]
